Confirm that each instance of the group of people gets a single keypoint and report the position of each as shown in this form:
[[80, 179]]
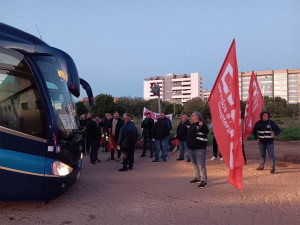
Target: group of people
[[192, 138], [192, 141], [123, 131]]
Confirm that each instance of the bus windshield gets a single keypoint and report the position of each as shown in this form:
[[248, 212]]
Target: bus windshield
[[56, 81]]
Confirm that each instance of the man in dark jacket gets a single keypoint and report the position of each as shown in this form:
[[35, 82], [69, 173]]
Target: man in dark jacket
[[264, 131], [160, 132], [89, 119], [82, 129], [94, 133], [127, 140], [114, 127], [147, 126], [197, 142], [181, 135], [105, 134]]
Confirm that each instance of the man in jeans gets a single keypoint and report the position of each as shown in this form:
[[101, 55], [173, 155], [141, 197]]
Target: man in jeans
[[181, 134], [197, 143], [127, 140], [264, 131], [147, 127], [161, 134]]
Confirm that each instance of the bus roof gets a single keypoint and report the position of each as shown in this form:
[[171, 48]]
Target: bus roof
[[18, 40]]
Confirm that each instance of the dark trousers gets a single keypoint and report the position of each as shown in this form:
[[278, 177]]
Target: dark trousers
[[128, 157], [112, 154], [95, 144], [83, 143], [88, 145], [215, 148], [147, 140], [105, 146]]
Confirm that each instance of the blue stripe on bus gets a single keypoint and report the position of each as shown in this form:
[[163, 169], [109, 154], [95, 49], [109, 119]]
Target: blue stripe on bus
[[23, 162]]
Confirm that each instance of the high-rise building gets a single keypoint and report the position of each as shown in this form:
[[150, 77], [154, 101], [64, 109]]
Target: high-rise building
[[206, 94], [175, 88], [273, 83]]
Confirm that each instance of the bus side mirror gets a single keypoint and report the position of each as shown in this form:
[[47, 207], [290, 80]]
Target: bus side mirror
[[85, 85]]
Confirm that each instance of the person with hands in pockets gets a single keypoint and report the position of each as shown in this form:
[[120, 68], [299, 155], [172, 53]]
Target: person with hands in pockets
[[197, 143]]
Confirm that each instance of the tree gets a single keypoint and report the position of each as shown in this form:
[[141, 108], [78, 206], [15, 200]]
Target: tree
[[81, 108], [292, 110], [134, 106], [197, 104], [104, 104], [178, 109], [243, 107], [276, 106]]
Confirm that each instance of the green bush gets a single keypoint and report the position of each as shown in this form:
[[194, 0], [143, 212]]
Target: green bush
[[288, 134]]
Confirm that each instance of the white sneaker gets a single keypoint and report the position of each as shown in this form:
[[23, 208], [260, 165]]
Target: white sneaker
[[221, 159], [213, 158]]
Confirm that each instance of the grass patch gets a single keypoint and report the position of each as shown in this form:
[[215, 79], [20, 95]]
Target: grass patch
[[287, 134]]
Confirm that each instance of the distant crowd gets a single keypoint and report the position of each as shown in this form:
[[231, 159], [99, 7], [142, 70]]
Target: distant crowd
[[120, 135]]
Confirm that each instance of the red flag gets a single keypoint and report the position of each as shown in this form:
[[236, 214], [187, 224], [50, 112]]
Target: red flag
[[224, 102], [254, 105], [111, 144]]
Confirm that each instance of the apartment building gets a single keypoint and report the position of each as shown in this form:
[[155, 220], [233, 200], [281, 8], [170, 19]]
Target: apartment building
[[206, 94], [176, 88], [272, 83], [283, 83]]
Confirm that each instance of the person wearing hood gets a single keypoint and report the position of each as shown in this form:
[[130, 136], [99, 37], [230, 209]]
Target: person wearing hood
[[264, 132]]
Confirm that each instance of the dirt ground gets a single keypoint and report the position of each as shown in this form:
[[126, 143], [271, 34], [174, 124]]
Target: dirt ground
[[160, 193]]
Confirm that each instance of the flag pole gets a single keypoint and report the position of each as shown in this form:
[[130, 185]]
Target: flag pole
[[159, 110]]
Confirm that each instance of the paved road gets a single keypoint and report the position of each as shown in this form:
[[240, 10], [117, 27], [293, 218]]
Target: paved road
[[160, 193]]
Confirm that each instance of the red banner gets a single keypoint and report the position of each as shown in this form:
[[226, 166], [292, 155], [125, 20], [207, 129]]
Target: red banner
[[111, 144], [254, 105], [224, 102], [155, 115]]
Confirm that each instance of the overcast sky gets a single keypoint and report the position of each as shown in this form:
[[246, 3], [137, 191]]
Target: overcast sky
[[117, 43]]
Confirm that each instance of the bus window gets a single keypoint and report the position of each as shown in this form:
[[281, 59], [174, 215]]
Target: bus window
[[61, 99], [21, 108]]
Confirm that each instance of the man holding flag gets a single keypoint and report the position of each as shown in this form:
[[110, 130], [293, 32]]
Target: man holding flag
[[224, 102]]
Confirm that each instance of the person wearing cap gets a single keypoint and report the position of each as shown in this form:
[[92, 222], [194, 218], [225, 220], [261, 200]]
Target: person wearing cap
[[264, 132], [147, 126], [197, 142]]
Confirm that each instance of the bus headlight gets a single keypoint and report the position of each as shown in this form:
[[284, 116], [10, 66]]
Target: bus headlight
[[60, 169]]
